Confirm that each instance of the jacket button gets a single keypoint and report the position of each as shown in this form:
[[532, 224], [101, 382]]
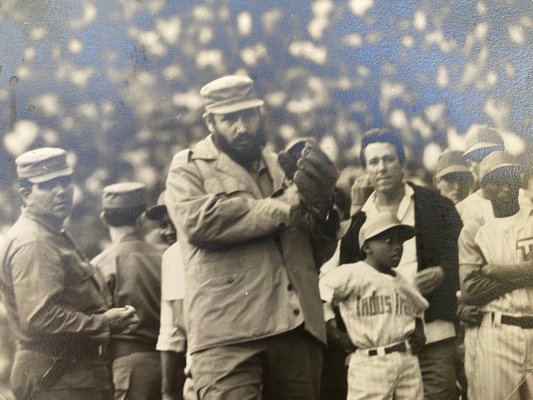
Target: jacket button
[[296, 311], [289, 287]]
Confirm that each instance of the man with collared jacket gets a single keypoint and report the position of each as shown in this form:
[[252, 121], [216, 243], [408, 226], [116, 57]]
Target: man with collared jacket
[[54, 302], [251, 252]]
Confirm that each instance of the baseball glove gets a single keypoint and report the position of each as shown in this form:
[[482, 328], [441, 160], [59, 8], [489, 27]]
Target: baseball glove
[[313, 173]]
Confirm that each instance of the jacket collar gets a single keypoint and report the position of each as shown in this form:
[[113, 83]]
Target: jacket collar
[[207, 150]]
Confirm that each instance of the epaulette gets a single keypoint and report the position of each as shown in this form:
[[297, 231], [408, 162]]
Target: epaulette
[[183, 157]]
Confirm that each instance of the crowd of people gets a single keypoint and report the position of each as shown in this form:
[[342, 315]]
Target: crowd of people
[[271, 280]]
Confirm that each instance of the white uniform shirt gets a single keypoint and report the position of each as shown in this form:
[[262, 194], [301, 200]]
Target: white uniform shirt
[[505, 241], [435, 330], [171, 338], [378, 309]]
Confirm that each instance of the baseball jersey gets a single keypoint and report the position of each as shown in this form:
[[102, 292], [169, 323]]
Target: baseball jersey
[[378, 309], [171, 337], [504, 241], [435, 330]]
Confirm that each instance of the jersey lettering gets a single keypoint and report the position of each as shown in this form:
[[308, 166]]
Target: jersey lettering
[[382, 304], [525, 249]]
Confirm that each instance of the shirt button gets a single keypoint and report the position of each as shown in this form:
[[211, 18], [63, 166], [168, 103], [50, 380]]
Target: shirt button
[[289, 287], [296, 312]]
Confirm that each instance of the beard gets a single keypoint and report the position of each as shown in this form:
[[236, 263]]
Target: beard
[[245, 154]]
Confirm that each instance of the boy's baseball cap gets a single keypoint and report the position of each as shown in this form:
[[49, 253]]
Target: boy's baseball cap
[[229, 94], [482, 138], [376, 224], [41, 165], [155, 213], [451, 162], [124, 195], [498, 161]]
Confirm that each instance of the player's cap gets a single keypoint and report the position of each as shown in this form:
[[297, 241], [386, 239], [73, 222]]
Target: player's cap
[[499, 162], [124, 195], [481, 139], [156, 212], [451, 162], [379, 223], [229, 94], [41, 165]]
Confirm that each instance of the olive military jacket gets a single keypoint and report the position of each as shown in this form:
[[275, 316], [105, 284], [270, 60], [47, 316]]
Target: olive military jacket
[[52, 298], [250, 262]]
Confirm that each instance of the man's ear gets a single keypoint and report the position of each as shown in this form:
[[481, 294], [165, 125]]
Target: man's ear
[[366, 249], [208, 119], [25, 195], [102, 218]]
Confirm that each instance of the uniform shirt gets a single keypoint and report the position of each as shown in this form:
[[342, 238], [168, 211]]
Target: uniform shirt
[[475, 209], [378, 309], [132, 270], [51, 295], [435, 330], [171, 337], [503, 241]]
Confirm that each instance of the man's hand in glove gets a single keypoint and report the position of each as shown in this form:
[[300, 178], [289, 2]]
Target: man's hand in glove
[[313, 173]]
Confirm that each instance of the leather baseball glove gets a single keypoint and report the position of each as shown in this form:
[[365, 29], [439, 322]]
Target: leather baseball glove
[[313, 173]]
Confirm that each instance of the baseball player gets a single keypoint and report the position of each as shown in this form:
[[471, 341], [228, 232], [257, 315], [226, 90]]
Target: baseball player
[[496, 274], [382, 313]]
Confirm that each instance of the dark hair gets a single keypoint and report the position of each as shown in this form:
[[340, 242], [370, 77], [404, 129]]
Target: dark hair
[[381, 135], [118, 217], [25, 184]]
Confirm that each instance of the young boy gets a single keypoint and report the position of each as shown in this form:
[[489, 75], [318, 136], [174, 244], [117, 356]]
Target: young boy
[[382, 313]]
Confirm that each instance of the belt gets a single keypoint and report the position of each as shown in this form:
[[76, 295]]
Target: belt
[[81, 352], [522, 322], [398, 347]]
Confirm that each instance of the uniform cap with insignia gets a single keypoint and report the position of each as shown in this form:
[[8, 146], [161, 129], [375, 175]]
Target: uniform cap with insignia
[[451, 162], [379, 223], [41, 165], [499, 162], [156, 212], [482, 138], [124, 195], [229, 94]]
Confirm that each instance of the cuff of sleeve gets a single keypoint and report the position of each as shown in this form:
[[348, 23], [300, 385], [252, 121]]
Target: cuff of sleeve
[[279, 210], [328, 312]]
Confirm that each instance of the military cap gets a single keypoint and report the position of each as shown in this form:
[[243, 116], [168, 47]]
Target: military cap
[[41, 165], [376, 224], [498, 161], [482, 137], [156, 212], [124, 195], [229, 94], [451, 162]]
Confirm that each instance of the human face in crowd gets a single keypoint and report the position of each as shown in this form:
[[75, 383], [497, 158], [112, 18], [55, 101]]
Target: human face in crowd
[[383, 167], [51, 200], [385, 250], [167, 230], [455, 186], [502, 190], [241, 132]]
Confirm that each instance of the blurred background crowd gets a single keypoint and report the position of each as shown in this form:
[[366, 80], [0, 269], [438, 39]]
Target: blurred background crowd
[[116, 83]]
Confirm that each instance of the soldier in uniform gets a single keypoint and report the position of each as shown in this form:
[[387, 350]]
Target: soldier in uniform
[[57, 310], [251, 243], [131, 268]]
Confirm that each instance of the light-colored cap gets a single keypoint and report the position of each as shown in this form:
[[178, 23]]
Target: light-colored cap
[[155, 213], [482, 137], [41, 165], [229, 94], [450, 162], [376, 224], [498, 160], [124, 195]]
